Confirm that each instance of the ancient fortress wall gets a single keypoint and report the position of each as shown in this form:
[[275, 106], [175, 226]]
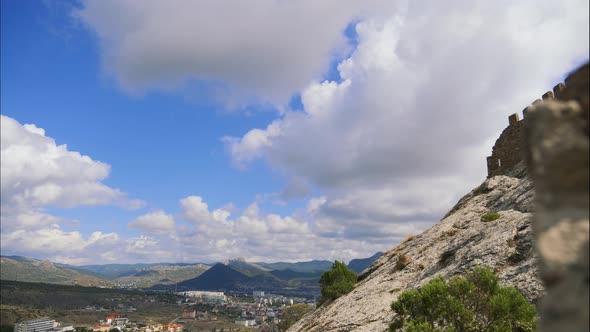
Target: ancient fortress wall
[[508, 149]]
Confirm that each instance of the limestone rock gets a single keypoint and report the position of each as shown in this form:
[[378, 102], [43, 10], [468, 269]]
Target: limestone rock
[[455, 245]]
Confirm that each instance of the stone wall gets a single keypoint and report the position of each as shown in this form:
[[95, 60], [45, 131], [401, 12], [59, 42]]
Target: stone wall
[[508, 151], [557, 146]]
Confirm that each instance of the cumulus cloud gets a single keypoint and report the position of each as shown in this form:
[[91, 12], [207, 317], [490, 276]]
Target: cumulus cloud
[[422, 91], [405, 131], [36, 173], [63, 246], [390, 145], [260, 236], [156, 222], [263, 48]]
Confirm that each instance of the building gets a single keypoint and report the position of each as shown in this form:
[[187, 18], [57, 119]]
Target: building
[[258, 293], [62, 329], [35, 325], [120, 321], [102, 328], [245, 322], [175, 328], [205, 296], [111, 318], [189, 313]]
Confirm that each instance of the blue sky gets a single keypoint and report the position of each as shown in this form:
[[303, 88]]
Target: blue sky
[[52, 77], [305, 142]]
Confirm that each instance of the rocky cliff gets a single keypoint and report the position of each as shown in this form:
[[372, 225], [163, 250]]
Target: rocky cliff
[[553, 138], [460, 241]]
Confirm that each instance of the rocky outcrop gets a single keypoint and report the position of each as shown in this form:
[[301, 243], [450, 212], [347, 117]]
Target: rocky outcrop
[[456, 244], [553, 247], [557, 135]]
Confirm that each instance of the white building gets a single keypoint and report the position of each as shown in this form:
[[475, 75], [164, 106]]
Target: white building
[[245, 322], [258, 293], [35, 325], [121, 321], [62, 329], [206, 296]]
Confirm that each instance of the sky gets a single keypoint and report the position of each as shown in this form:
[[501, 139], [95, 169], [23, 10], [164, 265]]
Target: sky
[[198, 131]]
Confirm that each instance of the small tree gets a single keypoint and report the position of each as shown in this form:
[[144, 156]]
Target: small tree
[[473, 303], [292, 314], [338, 281]]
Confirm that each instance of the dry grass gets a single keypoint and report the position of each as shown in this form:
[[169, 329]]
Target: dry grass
[[408, 238], [402, 261], [450, 232]]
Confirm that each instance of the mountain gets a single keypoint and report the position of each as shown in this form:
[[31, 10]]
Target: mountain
[[289, 274], [226, 277], [162, 274], [250, 269], [359, 264], [108, 275], [36, 270], [313, 266], [218, 277], [233, 274], [113, 271]]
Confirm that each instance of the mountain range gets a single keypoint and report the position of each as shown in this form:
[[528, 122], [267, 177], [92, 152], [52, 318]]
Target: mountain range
[[234, 274]]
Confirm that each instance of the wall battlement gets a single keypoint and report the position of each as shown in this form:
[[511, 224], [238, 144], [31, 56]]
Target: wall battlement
[[507, 151]]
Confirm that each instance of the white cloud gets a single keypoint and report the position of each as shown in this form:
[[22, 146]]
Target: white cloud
[[36, 172], [388, 148], [55, 243], [265, 48], [406, 131], [259, 236], [156, 222], [195, 210]]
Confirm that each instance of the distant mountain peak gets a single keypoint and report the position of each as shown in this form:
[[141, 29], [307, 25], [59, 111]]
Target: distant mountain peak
[[235, 260]]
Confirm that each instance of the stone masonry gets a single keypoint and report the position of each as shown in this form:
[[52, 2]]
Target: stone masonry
[[557, 146], [508, 149]]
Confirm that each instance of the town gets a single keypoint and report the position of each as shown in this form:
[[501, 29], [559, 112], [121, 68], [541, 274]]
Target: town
[[197, 311]]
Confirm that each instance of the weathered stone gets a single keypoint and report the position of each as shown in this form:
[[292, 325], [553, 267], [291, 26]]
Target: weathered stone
[[506, 152], [453, 246], [556, 149], [558, 145]]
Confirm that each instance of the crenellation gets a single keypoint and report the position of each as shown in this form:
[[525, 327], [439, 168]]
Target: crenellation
[[506, 152], [558, 90], [512, 119], [548, 95]]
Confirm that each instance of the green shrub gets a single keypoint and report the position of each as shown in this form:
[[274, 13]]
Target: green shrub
[[490, 216], [338, 281], [472, 303], [292, 314]]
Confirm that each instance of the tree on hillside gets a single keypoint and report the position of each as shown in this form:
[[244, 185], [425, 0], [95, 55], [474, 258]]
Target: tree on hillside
[[472, 303], [336, 282], [292, 314]]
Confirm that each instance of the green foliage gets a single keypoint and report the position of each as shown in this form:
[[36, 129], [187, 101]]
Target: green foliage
[[6, 328], [336, 282], [473, 303], [490, 216], [292, 314]]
